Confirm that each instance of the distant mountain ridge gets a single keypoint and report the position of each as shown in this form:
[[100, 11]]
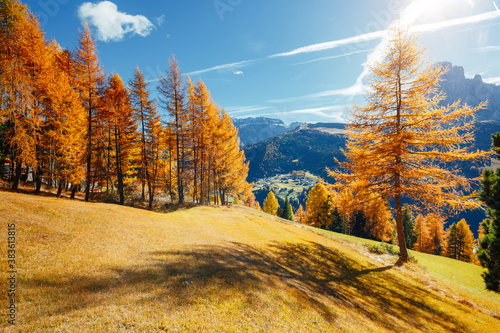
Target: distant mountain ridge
[[314, 147], [471, 91], [253, 130], [310, 147], [454, 84]]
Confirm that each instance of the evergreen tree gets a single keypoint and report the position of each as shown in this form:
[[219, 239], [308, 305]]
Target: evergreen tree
[[337, 224], [436, 228], [271, 205], [358, 225], [279, 212], [287, 212], [411, 235], [489, 243]]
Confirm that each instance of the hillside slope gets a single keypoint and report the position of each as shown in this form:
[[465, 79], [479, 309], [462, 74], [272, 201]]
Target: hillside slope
[[97, 267], [308, 149]]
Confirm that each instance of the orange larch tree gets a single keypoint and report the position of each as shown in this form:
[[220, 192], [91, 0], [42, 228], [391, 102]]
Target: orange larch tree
[[64, 129], [172, 98], [145, 114], [23, 63], [90, 79], [460, 242], [397, 143], [231, 168], [123, 129]]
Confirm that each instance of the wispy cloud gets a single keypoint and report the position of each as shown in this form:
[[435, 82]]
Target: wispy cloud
[[455, 22], [335, 112], [111, 24], [487, 48], [330, 112], [245, 109], [160, 20], [354, 90], [225, 67], [494, 80], [333, 44], [238, 73], [332, 57], [382, 33]]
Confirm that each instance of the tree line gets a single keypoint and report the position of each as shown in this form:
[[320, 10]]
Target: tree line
[[68, 124]]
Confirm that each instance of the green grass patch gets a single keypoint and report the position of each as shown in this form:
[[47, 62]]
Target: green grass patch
[[383, 248]]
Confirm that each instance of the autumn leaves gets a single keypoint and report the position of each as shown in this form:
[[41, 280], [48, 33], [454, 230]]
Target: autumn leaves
[[71, 125], [400, 139]]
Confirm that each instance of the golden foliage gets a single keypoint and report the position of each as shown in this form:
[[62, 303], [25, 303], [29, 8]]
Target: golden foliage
[[460, 242], [301, 215], [271, 204], [319, 206], [398, 141], [431, 238]]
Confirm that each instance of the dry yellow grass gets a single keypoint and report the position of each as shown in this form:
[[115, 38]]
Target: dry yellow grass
[[105, 268]]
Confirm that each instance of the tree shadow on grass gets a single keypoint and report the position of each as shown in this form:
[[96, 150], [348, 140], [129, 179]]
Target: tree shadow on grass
[[322, 278]]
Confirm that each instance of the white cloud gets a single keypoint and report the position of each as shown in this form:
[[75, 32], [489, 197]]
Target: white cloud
[[455, 22], [245, 109], [333, 44], [335, 113], [354, 90], [494, 80], [160, 20], [332, 57], [111, 24], [382, 33], [238, 73], [488, 48], [226, 67]]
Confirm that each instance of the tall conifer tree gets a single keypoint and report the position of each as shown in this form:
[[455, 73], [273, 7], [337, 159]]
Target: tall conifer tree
[[397, 140]]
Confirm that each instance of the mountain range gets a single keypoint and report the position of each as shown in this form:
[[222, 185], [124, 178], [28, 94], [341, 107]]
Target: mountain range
[[471, 91], [315, 147], [253, 130]]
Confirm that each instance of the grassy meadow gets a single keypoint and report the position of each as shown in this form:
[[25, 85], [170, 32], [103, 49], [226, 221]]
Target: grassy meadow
[[89, 267]]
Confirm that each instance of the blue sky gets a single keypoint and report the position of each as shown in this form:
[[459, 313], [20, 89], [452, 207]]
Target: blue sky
[[293, 60]]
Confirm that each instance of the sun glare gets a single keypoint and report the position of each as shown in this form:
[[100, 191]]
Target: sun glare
[[420, 8]]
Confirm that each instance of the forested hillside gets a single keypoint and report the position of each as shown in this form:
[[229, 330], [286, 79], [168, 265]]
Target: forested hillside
[[303, 149], [314, 147]]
